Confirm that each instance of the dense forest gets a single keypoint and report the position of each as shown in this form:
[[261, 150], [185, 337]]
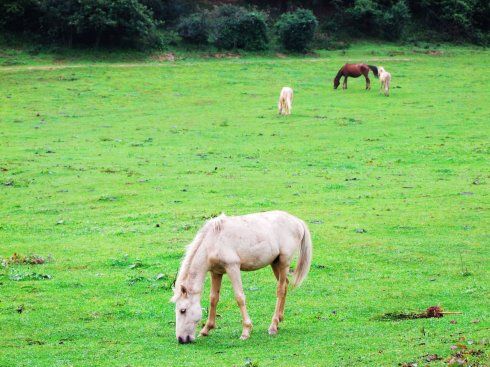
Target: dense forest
[[252, 25]]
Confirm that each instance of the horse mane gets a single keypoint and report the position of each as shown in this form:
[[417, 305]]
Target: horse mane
[[213, 225], [374, 69]]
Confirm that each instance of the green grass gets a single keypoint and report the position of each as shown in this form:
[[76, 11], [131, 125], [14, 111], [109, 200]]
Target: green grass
[[112, 168]]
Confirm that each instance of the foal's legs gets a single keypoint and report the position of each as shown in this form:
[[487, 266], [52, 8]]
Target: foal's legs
[[233, 272], [213, 301], [280, 271]]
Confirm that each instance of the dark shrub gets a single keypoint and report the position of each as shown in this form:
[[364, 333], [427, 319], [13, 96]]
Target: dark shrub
[[114, 22], [169, 11], [296, 29], [365, 16], [395, 19], [194, 28], [19, 15], [236, 27]]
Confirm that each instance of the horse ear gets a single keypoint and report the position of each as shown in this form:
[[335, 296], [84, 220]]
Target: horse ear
[[183, 290]]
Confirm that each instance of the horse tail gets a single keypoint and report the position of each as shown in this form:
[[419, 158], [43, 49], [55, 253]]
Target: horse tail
[[374, 69], [304, 259]]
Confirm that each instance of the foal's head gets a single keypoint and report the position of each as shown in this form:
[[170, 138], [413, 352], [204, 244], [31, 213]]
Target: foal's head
[[188, 313]]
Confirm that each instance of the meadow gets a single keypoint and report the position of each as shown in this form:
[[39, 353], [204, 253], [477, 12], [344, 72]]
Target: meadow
[[108, 167]]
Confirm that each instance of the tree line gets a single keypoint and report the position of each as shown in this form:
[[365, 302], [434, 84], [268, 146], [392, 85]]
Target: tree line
[[253, 25]]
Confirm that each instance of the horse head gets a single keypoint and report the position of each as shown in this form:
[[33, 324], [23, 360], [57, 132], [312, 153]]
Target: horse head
[[188, 313]]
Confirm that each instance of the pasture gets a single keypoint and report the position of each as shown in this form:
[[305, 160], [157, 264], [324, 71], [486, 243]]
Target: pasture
[[108, 169]]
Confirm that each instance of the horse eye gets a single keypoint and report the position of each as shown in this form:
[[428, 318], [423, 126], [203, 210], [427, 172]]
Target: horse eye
[[182, 310]]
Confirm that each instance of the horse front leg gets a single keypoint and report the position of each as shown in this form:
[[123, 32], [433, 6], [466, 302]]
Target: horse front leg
[[213, 302], [344, 84], [236, 280], [280, 272]]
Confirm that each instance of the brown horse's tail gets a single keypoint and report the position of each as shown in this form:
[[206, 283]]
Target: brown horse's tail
[[374, 69], [304, 259]]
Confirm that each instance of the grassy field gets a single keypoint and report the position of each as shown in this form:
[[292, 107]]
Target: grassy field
[[108, 168]]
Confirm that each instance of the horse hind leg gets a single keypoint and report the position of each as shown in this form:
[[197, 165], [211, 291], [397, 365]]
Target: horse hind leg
[[280, 271], [289, 106], [368, 83]]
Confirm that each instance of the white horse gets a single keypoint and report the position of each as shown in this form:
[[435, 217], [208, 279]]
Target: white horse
[[228, 245], [384, 79], [285, 104]]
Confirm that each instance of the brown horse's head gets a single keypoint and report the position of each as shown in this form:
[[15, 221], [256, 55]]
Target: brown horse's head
[[188, 313], [336, 81]]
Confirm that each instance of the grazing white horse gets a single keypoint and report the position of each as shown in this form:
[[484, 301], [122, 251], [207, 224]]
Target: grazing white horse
[[285, 104], [228, 245], [384, 79]]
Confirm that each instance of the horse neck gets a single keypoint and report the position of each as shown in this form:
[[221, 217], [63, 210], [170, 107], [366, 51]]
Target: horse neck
[[196, 271], [339, 74]]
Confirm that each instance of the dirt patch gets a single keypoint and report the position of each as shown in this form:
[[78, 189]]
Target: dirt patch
[[17, 259], [430, 312], [169, 56], [429, 52], [226, 55]]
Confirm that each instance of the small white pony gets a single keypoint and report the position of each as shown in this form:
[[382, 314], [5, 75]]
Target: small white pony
[[384, 79], [228, 245], [285, 104]]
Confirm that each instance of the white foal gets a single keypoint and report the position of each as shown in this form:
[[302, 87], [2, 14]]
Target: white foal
[[228, 245], [384, 79], [285, 104]]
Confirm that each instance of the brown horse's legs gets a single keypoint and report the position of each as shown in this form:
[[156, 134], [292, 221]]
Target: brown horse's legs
[[213, 301], [368, 82], [344, 85], [233, 272], [280, 271]]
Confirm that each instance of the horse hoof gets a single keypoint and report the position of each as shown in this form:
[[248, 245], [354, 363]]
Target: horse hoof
[[244, 337], [273, 330]]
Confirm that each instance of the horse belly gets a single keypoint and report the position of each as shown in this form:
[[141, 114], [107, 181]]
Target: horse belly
[[257, 255]]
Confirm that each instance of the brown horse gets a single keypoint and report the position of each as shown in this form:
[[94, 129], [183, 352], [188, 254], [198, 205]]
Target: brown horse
[[355, 71]]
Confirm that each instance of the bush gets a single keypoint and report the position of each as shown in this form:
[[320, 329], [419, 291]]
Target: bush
[[296, 29], [194, 28], [169, 11], [19, 15], [236, 27], [115, 22], [90, 22], [395, 20], [365, 16]]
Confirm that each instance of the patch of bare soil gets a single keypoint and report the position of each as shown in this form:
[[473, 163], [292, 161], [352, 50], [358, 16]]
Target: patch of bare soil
[[430, 312], [226, 55], [429, 52], [169, 56]]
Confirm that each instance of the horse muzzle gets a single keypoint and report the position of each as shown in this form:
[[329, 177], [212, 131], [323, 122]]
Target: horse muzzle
[[185, 340]]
